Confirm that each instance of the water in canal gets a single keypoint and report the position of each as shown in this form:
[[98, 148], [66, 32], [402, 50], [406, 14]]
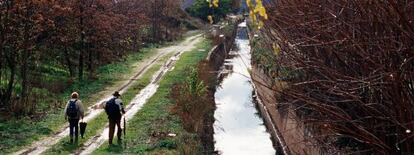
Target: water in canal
[[238, 129]]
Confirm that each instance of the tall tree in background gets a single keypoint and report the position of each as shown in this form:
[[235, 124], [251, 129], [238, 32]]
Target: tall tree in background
[[29, 32], [81, 6], [21, 29], [77, 36], [8, 58]]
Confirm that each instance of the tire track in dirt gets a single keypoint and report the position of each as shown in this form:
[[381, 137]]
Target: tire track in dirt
[[42, 145], [136, 103]]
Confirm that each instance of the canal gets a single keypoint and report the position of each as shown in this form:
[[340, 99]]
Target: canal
[[238, 128]]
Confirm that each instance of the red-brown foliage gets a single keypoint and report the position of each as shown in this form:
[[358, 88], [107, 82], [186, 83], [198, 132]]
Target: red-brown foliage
[[78, 35]]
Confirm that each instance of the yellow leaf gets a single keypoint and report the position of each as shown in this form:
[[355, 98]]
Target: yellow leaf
[[260, 25], [216, 3], [213, 3], [276, 49], [257, 12]]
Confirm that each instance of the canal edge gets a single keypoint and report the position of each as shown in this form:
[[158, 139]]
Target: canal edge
[[275, 132]]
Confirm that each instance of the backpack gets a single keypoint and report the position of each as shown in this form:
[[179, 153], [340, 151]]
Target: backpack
[[72, 110], [112, 109]]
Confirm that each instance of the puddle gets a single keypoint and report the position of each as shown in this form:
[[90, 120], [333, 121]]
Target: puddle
[[238, 127]]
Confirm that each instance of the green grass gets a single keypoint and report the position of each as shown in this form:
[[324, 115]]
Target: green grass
[[16, 133], [97, 125], [156, 117]]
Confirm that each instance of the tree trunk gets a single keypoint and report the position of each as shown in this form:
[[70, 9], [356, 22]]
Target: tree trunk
[[135, 41], [80, 73], [25, 56], [7, 59], [164, 13], [68, 62], [90, 63], [2, 57], [24, 75], [82, 48], [154, 21], [10, 85], [166, 33]]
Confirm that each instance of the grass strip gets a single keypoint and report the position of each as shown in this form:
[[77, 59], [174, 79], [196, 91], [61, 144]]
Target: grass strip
[[16, 133], [97, 125], [145, 131]]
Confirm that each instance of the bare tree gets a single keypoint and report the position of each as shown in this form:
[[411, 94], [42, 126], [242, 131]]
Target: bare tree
[[349, 66]]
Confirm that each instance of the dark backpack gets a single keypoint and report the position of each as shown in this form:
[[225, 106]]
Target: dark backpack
[[112, 109], [72, 110]]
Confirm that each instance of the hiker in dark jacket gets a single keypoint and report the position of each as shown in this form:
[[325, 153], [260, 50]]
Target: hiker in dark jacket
[[73, 112], [114, 109]]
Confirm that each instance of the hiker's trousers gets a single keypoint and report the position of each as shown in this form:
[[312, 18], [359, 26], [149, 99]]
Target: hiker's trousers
[[73, 128], [112, 123]]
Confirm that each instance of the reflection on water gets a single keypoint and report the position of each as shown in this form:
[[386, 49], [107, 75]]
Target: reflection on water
[[238, 129]]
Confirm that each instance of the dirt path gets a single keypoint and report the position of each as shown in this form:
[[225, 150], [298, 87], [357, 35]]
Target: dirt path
[[42, 145], [139, 100]]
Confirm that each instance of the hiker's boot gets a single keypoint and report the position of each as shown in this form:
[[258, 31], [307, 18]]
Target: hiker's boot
[[119, 135], [119, 140]]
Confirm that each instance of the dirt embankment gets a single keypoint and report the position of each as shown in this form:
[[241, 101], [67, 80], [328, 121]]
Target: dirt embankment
[[208, 73], [280, 119], [287, 131]]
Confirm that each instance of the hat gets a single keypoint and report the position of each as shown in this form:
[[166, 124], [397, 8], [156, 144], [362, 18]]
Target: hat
[[74, 95], [116, 94]]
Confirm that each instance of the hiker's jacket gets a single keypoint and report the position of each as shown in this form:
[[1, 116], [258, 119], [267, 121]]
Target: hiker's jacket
[[117, 102], [79, 106]]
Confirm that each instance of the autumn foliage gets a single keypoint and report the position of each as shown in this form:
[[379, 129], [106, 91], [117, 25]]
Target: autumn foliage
[[76, 35]]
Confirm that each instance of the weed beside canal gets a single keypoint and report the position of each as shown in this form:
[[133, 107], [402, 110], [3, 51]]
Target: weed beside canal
[[150, 131]]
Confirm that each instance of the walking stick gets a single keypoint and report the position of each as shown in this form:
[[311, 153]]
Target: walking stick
[[124, 128], [125, 145]]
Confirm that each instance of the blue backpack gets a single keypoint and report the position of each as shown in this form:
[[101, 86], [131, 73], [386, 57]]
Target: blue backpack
[[72, 110]]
